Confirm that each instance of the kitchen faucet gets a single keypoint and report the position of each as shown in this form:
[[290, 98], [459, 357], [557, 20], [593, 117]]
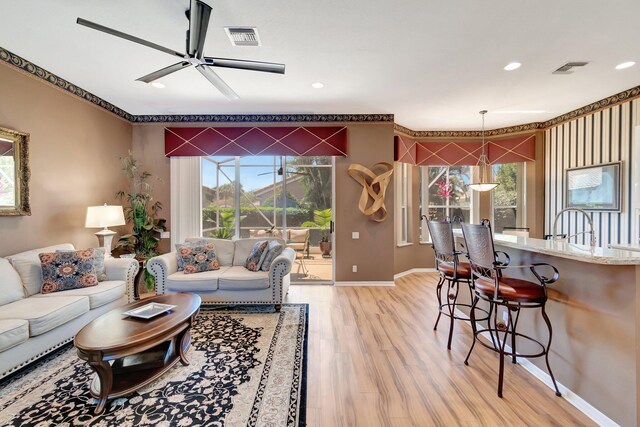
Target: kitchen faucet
[[555, 226]]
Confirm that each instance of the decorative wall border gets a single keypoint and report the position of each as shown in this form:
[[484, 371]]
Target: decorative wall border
[[262, 118], [36, 71], [467, 133]]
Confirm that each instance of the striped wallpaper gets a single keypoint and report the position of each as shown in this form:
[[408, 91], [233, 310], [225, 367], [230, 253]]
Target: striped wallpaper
[[601, 137]]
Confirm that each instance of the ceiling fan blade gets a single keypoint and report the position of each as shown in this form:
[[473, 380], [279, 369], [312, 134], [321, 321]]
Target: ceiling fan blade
[[128, 37], [164, 71], [241, 64], [199, 14], [217, 82]]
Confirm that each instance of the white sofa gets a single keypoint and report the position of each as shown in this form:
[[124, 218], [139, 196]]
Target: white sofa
[[33, 324], [232, 283]]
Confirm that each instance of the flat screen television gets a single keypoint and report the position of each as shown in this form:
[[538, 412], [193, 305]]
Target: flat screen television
[[594, 188]]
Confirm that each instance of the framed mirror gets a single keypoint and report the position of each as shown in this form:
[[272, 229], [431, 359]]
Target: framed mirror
[[14, 173]]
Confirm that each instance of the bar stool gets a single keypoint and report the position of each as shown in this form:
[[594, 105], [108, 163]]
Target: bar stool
[[452, 271], [511, 293]]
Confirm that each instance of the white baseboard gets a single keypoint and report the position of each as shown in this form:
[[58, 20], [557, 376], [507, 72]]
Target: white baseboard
[[414, 270], [364, 283], [579, 403]]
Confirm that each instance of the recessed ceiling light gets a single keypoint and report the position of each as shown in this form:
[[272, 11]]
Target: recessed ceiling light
[[317, 85], [625, 65], [158, 85], [512, 66]]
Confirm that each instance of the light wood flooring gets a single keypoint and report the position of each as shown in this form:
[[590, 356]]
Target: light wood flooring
[[374, 360]]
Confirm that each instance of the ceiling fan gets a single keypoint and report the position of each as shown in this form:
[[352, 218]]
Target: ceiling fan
[[280, 172], [198, 16]]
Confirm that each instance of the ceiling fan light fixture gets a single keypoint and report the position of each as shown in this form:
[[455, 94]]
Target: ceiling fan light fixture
[[484, 183], [512, 66], [625, 65], [158, 85], [317, 85]]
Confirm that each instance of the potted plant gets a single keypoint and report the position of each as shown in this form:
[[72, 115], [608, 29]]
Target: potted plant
[[322, 221], [142, 214]]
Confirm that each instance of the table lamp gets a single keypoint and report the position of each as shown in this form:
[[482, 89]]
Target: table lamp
[[103, 217]]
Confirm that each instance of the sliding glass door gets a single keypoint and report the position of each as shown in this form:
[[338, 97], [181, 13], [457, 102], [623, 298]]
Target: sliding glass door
[[285, 197]]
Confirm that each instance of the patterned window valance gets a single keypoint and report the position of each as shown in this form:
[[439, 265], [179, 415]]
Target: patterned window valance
[[256, 141], [449, 153]]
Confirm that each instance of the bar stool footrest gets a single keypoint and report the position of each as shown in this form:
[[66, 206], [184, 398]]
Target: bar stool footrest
[[491, 346], [465, 318]]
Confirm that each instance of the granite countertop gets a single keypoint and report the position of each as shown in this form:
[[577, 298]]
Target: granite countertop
[[584, 253]]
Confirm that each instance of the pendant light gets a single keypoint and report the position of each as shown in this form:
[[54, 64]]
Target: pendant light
[[484, 184]]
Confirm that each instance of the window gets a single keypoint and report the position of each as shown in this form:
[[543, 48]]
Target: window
[[403, 190], [509, 196], [245, 195], [445, 192]]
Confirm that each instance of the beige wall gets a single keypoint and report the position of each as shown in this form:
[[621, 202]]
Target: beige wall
[[369, 143], [373, 253], [74, 150], [148, 148]]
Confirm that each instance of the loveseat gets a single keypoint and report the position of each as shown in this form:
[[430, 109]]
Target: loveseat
[[33, 324], [232, 283]]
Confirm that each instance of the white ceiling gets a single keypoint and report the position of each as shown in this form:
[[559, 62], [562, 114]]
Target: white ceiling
[[432, 63]]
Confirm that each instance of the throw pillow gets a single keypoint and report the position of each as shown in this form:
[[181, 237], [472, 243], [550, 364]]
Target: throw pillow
[[190, 244], [275, 248], [257, 255], [62, 271], [98, 263], [198, 257]]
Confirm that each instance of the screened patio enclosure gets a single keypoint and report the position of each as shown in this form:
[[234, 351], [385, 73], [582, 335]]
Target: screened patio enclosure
[[281, 196]]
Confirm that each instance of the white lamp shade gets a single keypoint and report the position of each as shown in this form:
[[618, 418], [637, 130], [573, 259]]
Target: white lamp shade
[[104, 216]]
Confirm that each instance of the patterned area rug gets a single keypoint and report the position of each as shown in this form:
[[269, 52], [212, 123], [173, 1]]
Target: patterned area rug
[[248, 368]]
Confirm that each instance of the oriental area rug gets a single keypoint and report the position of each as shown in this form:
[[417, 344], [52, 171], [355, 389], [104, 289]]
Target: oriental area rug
[[248, 368]]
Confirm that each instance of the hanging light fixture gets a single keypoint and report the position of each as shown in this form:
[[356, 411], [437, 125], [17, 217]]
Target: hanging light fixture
[[484, 184]]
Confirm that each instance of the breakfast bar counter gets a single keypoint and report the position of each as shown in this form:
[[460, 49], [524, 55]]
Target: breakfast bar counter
[[595, 311]]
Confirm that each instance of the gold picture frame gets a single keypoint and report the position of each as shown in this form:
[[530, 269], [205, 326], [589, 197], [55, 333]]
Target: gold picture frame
[[14, 145]]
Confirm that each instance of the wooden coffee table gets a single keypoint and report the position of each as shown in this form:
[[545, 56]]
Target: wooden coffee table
[[128, 353]]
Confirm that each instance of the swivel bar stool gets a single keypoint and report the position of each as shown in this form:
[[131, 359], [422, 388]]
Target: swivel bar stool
[[509, 292], [452, 271]]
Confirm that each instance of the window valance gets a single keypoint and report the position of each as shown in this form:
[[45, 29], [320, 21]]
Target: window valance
[[255, 141], [520, 148]]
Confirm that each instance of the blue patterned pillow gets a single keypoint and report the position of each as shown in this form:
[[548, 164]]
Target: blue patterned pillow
[[62, 271], [98, 263], [198, 257], [179, 245], [257, 255], [275, 248]]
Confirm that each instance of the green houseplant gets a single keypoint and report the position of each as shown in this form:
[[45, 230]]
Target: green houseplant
[[142, 214], [322, 221]]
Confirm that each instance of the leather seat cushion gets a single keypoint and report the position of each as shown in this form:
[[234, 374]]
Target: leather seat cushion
[[464, 269], [13, 332], [99, 295], [512, 289], [206, 281], [239, 278], [45, 314]]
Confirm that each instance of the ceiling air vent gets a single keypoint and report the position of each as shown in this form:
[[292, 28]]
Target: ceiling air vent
[[243, 36], [567, 68]]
